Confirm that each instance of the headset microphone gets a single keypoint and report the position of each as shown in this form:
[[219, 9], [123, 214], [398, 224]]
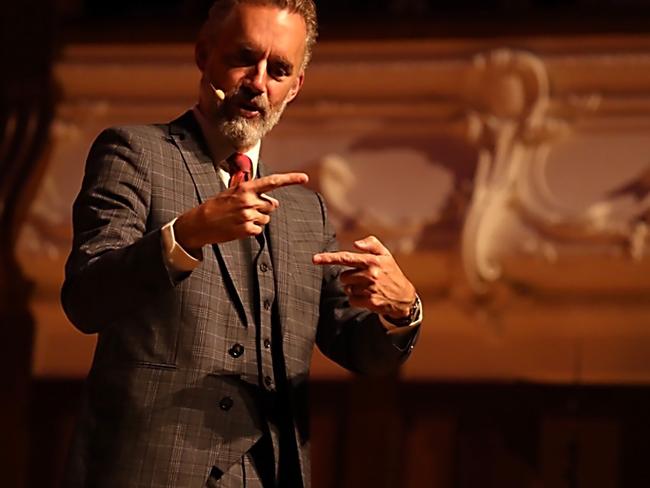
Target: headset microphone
[[218, 93]]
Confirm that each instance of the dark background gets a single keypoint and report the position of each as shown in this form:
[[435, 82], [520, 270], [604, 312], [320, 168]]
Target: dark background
[[460, 435], [97, 20]]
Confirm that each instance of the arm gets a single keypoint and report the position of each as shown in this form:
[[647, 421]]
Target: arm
[[115, 264], [351, 330], [118, 262]]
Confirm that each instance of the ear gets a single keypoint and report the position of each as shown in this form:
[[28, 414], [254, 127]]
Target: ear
[[201, 54], [295, 89]]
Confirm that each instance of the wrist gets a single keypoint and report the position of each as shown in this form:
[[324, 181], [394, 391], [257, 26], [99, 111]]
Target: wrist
[[410, 316], [183, 240]]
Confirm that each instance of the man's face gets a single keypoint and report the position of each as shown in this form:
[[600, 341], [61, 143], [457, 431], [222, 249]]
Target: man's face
[[256, 58]]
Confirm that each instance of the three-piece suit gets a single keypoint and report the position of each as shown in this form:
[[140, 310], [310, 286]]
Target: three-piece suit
[[190, 371]]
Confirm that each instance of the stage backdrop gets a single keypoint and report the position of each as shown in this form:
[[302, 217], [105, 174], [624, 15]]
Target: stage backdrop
[[511, 177]]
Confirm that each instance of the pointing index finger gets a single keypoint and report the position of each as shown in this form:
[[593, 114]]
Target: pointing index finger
[[273, 182], [344, 258]]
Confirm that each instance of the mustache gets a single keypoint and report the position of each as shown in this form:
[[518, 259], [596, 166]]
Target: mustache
[[244, 96]]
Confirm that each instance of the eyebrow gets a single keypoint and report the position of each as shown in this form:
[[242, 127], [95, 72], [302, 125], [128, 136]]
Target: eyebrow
[[281, 60]]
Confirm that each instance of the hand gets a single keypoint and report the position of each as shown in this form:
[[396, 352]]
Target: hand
[[235, 213], [375, 281]]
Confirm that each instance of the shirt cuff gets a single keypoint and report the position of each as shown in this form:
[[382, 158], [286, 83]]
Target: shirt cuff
[[177, 259], [394, 328]]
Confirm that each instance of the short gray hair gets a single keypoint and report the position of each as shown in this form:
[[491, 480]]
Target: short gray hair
[[305, 8]]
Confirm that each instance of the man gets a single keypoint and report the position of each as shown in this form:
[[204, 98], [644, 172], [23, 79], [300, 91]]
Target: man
[[208, 294]]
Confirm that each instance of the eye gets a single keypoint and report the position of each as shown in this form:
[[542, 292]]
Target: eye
[[279, 70]]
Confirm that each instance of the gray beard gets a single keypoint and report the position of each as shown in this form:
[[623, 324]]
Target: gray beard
[[244, 133]]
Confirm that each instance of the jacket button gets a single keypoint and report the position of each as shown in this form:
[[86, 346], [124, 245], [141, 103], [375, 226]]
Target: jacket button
[[268, 381], [264, 267], [267, 304], [226, 404], [236, 351], [267, 344]]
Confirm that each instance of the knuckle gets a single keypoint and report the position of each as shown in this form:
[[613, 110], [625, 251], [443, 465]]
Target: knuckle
[[246, 215], [266, 208], [204, 211], [248, 198], [251, 229]]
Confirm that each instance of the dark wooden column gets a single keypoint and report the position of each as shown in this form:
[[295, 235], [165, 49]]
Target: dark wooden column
[[26, 107]]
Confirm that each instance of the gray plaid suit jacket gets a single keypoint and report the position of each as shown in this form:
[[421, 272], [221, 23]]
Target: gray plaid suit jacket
[[151, 417]]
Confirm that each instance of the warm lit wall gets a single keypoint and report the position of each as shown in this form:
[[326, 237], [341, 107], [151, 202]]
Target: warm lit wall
[[511, 177]]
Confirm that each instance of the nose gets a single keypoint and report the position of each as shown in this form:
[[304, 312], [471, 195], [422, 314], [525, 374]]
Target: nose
[[256, 79]]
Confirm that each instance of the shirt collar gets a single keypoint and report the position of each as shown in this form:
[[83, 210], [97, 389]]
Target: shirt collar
[[219, 148]]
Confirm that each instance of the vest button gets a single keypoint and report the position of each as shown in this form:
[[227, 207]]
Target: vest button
[[267, 344], [268, 381], [264, 267], [236, 351], [226, 404], [267, 304]]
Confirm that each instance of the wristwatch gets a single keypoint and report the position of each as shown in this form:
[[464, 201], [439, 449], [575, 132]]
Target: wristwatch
[[414, 314]]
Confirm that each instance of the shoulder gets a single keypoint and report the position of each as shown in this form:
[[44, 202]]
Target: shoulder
[[134, 135], [141, 144]]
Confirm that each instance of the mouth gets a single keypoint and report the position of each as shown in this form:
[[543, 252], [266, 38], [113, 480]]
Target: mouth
[[250, 110]]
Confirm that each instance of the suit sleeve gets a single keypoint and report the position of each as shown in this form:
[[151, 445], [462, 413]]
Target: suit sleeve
[[114, 264], [354, 337]]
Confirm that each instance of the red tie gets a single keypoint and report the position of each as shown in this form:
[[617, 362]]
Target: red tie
[[239, 167]]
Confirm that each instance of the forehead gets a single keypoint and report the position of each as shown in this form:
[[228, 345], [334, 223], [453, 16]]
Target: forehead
[[265, 28]]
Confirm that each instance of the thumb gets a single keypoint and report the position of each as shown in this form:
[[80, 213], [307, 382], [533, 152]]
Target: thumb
[[371, 245]]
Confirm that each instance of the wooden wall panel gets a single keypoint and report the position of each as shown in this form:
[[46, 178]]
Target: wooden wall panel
[[368, 434]]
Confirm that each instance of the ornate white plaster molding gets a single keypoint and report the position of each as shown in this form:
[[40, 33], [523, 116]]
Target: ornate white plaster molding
[[508, 98]]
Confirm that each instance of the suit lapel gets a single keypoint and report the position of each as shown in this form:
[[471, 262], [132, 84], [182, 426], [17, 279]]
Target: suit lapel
[[186, 135], [280, 249]]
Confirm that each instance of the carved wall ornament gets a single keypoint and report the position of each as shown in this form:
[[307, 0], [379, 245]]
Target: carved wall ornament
[[513, 211]]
